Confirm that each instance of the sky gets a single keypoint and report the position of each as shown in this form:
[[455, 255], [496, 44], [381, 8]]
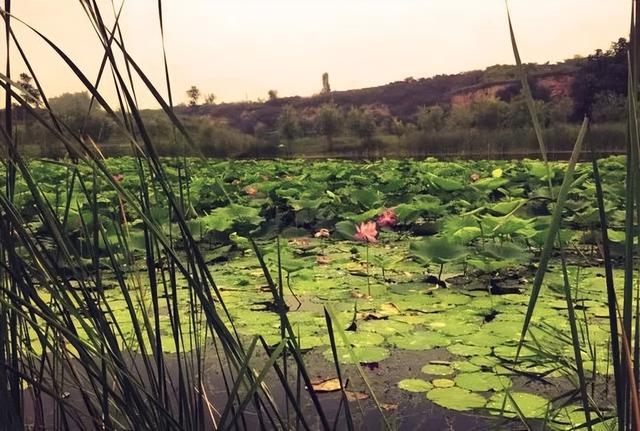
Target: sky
[[240, 49]]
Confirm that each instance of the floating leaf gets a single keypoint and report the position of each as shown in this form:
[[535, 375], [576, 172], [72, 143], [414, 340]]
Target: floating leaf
[[362, 355], [529, 405], [328, 385], [437, 370], [456, 399], [385, 327], [465, 367], [415, 385], [421, 340], [443, 383], [467, 350], [357, 395], [482, 382]]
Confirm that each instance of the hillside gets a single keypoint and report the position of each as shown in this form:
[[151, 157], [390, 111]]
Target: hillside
[[401, 99]]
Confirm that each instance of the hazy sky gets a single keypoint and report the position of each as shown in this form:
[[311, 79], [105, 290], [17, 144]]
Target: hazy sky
[[239, 49]]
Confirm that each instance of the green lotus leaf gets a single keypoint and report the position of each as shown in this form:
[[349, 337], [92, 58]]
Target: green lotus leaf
[[420, 340], [363, 338], [467, 350], [345, 229], [437, 250], [482, 382], [415, 385], [461, 329], [443, 383], [528, 405], [456, 399], [437, 370], [385, 327], [508, 353], [361, 355], [507, 207], [465, 367], [506, 251], [418, 207]]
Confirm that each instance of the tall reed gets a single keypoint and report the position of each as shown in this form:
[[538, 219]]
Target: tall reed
[[61, 341], [624, 359]]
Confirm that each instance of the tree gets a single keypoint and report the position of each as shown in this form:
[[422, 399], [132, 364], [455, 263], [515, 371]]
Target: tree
[[288, 124], [395, 126], [517, 115], [430, 118], [604, 71], [273, 94], [329, 122], [29, 92], [460, 117], [561, 110], [609, 106], [488, 114], [209, 99], [73, 110], [193, 94], [361, 124]]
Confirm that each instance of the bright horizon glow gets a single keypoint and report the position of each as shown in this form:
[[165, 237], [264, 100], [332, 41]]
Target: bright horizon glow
[[240, 50]]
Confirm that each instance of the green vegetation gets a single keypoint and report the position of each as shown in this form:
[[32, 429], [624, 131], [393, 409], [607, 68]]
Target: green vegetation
[[142, 292], [489, 219]]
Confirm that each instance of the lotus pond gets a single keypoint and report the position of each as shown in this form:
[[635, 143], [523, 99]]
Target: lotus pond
[[426, 267]]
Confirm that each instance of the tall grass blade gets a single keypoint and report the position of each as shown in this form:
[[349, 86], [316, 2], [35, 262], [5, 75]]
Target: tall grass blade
[[611, 294], [339, 328], [554, 229], [336, 361]]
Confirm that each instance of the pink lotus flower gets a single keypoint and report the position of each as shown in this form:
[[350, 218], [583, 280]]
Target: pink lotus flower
[[322, 233], [366, 232], [388, 218]]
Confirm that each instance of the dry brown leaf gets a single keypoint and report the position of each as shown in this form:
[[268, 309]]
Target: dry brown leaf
[[389, 407], [357, 395], [328, 385]]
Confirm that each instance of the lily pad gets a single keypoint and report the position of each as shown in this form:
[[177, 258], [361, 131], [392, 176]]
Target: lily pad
[[456, 399], [443, 383], [362, 339], [421, 340], [385, 327], [437, 370], [361, 355], [466, 350], [465, 367], [415, 385], [482, 382], [484, 361], [508, 353], [529, 405], [462, 329]]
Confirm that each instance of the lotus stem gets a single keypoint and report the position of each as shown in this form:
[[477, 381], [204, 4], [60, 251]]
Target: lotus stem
[[366, 247]]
